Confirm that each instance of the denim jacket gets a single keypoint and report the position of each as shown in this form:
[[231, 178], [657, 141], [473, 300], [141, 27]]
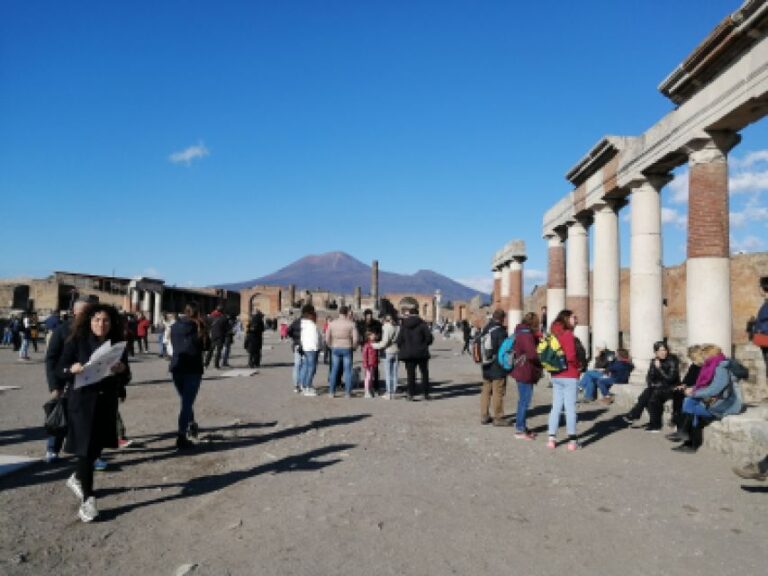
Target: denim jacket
[[728, 400]]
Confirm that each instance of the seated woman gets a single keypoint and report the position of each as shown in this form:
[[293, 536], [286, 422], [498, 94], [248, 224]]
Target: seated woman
[[715, 401], [663, 376], [678, 394], [588, 382]]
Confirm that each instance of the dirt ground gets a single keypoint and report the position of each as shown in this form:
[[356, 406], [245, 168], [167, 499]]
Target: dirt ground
[[290, 485]]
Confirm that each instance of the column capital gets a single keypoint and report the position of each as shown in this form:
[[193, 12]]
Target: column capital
[[656, 180], [713, 147]]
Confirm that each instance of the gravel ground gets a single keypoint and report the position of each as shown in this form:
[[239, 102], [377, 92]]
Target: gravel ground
[[290, 485]]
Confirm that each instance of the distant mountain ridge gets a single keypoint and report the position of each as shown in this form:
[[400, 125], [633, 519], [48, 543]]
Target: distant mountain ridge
[[340, 272]]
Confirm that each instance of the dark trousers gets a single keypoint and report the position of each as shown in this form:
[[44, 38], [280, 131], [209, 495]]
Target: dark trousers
[[216, 347], [143, 343], [410, 372], [652, 399], [187, 385], [677, 406], [84, 471], [254, 359]]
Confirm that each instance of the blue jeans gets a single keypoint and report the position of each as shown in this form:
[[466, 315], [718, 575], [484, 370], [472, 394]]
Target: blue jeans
[[24, 351], [564, 392], [187, 385], [592, 378], [697, 408], [308, 368], [298, 361], [340, 356], [390, 369], [524, 395]]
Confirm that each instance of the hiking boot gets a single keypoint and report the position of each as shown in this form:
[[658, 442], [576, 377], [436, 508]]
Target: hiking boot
[[74, 484], [88, 511], [750, 472]]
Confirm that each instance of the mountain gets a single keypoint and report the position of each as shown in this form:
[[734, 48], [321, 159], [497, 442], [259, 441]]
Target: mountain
[[340, 272]]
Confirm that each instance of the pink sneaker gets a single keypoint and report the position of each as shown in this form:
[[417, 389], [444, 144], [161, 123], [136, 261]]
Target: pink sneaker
[[573, 445], [551, 443], [524, 435]]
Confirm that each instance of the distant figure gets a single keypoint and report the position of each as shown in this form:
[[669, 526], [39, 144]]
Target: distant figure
[[413, 341], [370, 361], [310, 339], [218, 330], [254, 338], [466, 331], [493, 373], [527, 371], [565, 382], [142, 333], [388, 343], [341, 339]]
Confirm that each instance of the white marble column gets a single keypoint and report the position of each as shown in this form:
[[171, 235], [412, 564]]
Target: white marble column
[[577, 275], [515, 301], [605, 288], [555, 276], [134, 299], [708, 266], [146, 304], [645, 289], [505, 278], [158, 309]]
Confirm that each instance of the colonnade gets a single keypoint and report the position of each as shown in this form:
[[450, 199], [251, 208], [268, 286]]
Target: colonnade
[[507, 266], [147, 298]]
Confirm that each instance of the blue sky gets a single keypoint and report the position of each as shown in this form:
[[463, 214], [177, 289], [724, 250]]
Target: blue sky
[[209, 142]]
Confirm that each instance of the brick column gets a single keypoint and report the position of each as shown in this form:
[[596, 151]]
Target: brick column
[[646, 324], [605, 288], [515, 302], [496, 288], [708, 268], [375, 284], [577, 273], [555, 276]]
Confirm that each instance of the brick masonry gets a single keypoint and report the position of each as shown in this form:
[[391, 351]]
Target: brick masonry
[[556, 267], [708, 225]]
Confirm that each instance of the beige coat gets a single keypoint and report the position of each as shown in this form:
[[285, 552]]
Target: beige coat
[[342, 333]]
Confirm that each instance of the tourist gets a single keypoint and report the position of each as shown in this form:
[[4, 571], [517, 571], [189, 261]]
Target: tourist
[[662, 378], [34, 331], [414, 340], [370, 361], [189, 339], [565, 383], [130, 333], [617, 370], [142, 333], [678, 393], [466, 332], [494, 375], [229, 338], [57, 386], [341, 339], [294, 333], [92, 409], [760, 336], [254, 338], [527, 371], [310, 347], [716, 400], [26, 337], [388, 343], [370, 324], [7, 334], [219, 329], [588, 382]]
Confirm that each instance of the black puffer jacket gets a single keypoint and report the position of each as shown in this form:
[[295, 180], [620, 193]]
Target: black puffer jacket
[[188, 347], [494, 370], [414, 339], [666, 376]]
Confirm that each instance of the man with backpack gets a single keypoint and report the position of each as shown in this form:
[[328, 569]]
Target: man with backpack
[[494, 375]]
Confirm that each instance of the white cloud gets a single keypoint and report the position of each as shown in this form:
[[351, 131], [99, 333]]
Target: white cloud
[[750, 159], [756, 181], [747, 244], [481, 283], [672, 216], [679, 188], [188, 154], [534, 275]]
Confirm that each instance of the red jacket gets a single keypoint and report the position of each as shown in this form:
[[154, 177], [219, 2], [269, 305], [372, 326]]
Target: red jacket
[[141, 327], [370, 356], [568, 343], [528, 371]]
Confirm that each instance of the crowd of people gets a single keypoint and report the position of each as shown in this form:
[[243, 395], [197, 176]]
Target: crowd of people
[[709, 389]]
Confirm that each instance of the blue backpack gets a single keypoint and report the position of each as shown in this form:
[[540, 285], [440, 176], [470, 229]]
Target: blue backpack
[[506, 354]]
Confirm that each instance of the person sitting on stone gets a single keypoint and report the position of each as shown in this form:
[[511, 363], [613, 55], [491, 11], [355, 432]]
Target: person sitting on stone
[[714, 401], [588, 382], [678, 394], [662, 377]]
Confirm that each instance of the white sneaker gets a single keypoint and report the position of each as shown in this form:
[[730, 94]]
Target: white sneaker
[[368, 395], [88, 510], [310, 392], [51, 457], [74, 484]]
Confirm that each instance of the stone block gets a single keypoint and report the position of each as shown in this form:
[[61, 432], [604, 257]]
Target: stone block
[[742, 437]]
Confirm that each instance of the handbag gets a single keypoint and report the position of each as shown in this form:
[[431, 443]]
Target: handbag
[[760, 339], [55, 416]]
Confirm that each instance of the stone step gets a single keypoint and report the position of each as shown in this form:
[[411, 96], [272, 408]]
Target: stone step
[[742, 437]]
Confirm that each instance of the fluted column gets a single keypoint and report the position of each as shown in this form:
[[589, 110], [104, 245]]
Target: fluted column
[[555, 275], [708, 267], [645, 289], [577, 274], [605, 287], [515, 303]]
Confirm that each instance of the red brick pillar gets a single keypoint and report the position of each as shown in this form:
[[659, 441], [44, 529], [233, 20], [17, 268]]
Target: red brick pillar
[[555, 275], [708, 296]]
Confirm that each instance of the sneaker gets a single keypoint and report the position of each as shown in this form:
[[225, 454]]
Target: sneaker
[[124, 442], [193, 429], [51, 457], [368, 395], [573, 445], [606, 400], [88, 510], [297, 390], [74, 484], [551, 444], [750, 472], [524, 436], [653, 430], [628, 419], [310, 392], [500, 422], [100, 465]]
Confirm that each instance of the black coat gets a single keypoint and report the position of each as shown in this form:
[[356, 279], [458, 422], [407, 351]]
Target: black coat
[[52, 355], [92, 410], [414, 339], [494, 370], [187, 346], [254, 336], [667, 376]]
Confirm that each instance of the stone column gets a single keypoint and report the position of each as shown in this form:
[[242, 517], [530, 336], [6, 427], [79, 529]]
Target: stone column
[[555, 276], [146, 304], [291, 295], [646, 324], [134, 299], [438, 298], [504, 285], [496, 287], [708, 267], [605, 286], [158, 310], [577, 273], [358, 298], [515, 302], [375, 284]]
